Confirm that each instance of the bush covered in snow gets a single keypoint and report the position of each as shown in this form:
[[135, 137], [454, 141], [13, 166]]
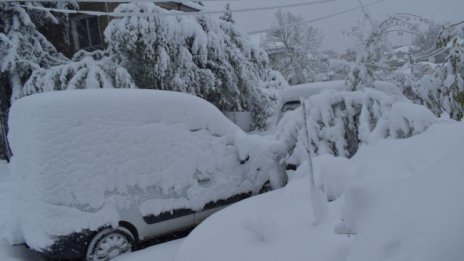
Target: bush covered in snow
[[338, 122], [207, 57], [86, 71]]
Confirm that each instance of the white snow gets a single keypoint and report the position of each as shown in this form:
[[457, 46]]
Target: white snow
[[399, 198], [8, 252], [404, 198], [403, 120], [408, 206], [274, 226], [334, 175], [164, 252], [17, 253], [295, 92], [80, 156]]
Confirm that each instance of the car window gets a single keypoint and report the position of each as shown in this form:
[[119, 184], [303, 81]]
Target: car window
[[290, 106]]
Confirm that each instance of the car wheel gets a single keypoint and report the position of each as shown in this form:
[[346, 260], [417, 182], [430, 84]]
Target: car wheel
[[110, 243]]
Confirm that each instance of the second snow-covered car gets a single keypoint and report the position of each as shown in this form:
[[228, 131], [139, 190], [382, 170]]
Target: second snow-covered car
[[94, 172]]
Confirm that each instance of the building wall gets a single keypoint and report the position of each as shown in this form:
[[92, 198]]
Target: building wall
[[65, 39]]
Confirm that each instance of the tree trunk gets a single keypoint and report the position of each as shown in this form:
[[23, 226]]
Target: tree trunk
[[5, 103]]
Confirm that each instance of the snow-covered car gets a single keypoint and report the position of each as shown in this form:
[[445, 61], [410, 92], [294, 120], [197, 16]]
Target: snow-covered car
[[324, 102], [94, 172], [289, 98]]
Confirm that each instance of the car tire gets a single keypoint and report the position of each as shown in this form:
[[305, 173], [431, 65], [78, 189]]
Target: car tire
[[109, 243]]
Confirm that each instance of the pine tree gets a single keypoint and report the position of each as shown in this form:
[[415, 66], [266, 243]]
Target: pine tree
[[452, 74], [203, 56], [227, 16], [86, 71], [23, 48]]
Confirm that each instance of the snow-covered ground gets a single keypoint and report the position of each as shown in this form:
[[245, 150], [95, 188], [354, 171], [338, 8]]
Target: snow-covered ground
[[7, 252], [402, 198]]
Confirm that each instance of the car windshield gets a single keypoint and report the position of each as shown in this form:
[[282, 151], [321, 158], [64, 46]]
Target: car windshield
[[290, 106]]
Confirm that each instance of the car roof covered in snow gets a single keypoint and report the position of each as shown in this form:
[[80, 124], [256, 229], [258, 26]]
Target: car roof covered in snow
[[295, 92], [125, 107]]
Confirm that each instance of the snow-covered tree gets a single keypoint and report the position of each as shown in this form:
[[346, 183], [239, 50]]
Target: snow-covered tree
[[374, 50], [439, 86], [227, 16], [452, 73], [339, 69], [426, 40], [338, 123], [372, 44], [203, 56], [415, 80], [23, 48], [293, 47], [85, 71]]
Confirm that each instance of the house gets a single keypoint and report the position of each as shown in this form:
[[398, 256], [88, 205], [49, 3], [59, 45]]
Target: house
[[86, 31]]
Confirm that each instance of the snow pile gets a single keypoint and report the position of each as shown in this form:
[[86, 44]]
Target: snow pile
[[401, 197], [403, 120], [273, 226], [409, 206], [334, 175], [79, 156]]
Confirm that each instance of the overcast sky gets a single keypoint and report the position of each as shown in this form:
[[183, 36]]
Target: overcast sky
[[333, 28]]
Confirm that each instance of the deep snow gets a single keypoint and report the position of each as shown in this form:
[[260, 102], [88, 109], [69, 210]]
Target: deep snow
[[402, 198]]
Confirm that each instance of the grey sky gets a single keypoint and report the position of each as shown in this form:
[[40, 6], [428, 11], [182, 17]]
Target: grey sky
[[439, 10]]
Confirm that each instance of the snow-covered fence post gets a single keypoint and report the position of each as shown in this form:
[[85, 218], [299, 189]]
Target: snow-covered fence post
[[318, 199]]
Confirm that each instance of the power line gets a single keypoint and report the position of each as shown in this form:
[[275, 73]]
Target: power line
[[315, 19], [125, 1], [118, 14]]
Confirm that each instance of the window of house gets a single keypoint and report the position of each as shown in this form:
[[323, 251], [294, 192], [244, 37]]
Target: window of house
[[86, 32]]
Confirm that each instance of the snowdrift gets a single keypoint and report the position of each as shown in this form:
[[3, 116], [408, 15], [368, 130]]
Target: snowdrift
[[402, 198]]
